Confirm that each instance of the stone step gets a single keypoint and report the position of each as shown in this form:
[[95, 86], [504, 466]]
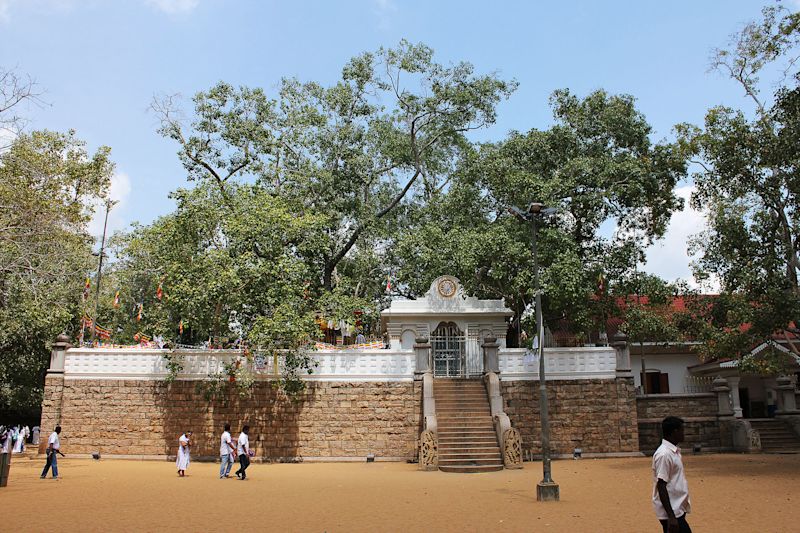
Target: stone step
[[791, 437], [470, 469], [457, 398], [469, 456], [484, 419], [459, 448], [482, 440], [492, 459], [457, 404], [484, 411], [449, 428], [466, 434]]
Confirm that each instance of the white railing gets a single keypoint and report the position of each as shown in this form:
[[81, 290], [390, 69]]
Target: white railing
[[332, 365], [560, 363], [150, 364]]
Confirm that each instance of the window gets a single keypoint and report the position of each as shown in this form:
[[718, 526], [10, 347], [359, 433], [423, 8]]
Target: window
[[655, 382]]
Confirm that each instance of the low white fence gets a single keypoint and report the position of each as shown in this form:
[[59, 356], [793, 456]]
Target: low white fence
[[332, 365], [517, 364]]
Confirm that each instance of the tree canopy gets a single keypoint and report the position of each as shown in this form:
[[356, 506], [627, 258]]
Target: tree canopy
[[48, 185]]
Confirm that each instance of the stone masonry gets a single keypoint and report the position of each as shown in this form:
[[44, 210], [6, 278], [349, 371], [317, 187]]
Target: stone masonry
[[699, 412], [145, 418], [596, 415]]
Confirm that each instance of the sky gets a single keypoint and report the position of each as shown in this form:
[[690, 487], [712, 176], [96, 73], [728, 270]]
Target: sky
[[99, 63]]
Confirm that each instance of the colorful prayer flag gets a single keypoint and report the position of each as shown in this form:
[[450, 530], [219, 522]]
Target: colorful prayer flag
[[159, 292], [86, 287], [102, 333], [139, 314], [388, 283], [116, 300], [180, 327]]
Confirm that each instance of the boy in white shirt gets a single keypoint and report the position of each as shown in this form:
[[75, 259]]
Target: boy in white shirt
[[243, 449], [227, 452], [670, 490]]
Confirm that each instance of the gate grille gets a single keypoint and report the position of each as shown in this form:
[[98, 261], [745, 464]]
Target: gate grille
[[447, 345]]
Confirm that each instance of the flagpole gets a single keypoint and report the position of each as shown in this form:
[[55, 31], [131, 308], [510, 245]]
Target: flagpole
[[109, 205]]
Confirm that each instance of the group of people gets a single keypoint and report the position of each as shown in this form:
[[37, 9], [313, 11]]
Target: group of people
[[228, 452], [14, 438]]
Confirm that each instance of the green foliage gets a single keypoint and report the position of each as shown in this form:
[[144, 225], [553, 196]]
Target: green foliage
[[596, 165], [48, 185], [175, 364], [747, 182], [770, 362]]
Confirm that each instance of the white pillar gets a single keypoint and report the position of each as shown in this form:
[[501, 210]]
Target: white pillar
[[733, 383]]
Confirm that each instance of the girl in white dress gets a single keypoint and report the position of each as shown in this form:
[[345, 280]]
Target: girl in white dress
[[184, 443]]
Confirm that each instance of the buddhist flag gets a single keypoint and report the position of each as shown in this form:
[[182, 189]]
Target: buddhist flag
[[180, 327], [601, 283], [116, 300], [102, 333], [139, 313], [86, 287], [159, 292], [388, 284]]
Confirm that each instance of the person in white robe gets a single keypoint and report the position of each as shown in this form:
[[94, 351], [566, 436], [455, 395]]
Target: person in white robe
[[20, 442], [184, 444]]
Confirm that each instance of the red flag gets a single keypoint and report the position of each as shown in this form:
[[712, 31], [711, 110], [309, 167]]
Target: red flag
[[159, 292], [388, 284], [180, 327], [116, 300], [139, 314], [86, 287]]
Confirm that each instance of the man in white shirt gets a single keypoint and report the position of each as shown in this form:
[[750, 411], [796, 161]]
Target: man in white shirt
[[243, 449], [227, 452], [53, 449], [670, 490]]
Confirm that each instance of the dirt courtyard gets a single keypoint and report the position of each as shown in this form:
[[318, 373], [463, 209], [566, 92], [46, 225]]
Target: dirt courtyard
[[748, 493]]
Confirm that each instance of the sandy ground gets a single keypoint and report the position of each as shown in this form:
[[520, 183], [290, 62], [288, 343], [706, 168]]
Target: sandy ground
[[749, 493]]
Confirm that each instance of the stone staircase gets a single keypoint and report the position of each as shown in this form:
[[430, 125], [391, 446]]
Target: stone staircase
[[776, 436], [467, 439]]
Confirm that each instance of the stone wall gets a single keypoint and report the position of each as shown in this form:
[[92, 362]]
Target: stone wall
[[596, 415], [699, 412], [145, 418]]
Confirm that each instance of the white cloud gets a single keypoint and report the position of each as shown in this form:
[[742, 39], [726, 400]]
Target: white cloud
[[669, 258], [173, 6], [39, 6], [5, 7], [119, 192], [385, 10]]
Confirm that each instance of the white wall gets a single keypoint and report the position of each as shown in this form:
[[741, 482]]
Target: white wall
[[676, 365]]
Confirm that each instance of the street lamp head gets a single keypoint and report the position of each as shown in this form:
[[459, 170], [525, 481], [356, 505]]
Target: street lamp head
[[519, 213], [535, 208]]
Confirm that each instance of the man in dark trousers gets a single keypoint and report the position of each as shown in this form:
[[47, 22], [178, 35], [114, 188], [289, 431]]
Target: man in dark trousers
[[670, 490], [53, 448], [243, 449]]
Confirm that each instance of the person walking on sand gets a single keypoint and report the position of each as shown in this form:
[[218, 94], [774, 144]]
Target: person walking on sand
[[184, 444], [670, 490], [227, 452], [53, 449], [243, 449]]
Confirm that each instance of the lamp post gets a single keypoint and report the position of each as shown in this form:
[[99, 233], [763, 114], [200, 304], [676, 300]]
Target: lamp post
[[546, 489], [109, 205]]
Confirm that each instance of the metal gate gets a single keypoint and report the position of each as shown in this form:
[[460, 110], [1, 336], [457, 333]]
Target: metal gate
[[474, 358], [447, 345]]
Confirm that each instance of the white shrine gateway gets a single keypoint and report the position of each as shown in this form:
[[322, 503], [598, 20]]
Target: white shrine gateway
[[454, 323]]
